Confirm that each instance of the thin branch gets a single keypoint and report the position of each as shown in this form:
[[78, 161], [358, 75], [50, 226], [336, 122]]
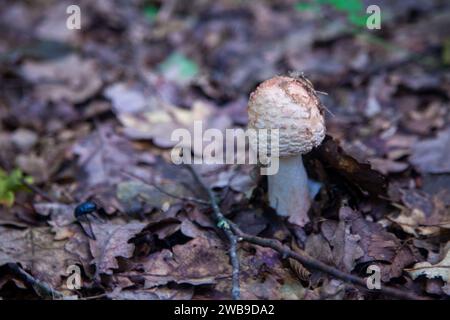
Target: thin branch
[[311, 263], [42, 289], [102, 295], [222, 223], [183, 198], [38, 191], [306, 260], [420, 225]]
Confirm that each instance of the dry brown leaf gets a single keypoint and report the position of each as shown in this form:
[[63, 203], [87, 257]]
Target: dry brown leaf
[[199, 261], [438, 270], [37, 252], [68, 79], [433, 155], [298, 268], [112, 241]]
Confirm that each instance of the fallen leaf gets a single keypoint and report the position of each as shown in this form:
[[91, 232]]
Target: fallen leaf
[[358, 174], [433, 155], [67, 79], [251, 221], [37, 252], [102, 156], [126, 99], [423, 214], [199, 261], [157, 125], [296, 266], [238, 181], [378, 245], [386, 166], [317, 247], [438, 270], [178, 68], [346, 249], [112, 241]]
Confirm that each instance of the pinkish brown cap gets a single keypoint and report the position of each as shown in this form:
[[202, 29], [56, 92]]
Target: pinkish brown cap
[[292, 106]]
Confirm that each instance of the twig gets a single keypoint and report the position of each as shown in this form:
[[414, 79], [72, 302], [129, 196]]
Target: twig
[[420, 225], [43, 289], [184, 198], [102, 295], [223, 224], [306, 260], [311, 263], [38, 191]]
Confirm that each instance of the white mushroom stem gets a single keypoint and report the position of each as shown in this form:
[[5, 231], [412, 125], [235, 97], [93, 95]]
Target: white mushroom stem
[[288, 190]]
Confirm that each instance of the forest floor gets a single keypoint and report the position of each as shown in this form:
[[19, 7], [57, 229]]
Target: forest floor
[[87, 115]]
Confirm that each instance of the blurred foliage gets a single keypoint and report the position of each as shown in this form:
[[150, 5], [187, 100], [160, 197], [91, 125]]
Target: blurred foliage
[[446, 52], [354, 9], [150, 12], [179, 68], [10, 184]]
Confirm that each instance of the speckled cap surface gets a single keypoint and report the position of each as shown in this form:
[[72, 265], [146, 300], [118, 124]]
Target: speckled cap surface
[[292, 106]]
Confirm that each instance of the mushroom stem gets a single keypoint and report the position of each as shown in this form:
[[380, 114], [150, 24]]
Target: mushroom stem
[[288, 190]]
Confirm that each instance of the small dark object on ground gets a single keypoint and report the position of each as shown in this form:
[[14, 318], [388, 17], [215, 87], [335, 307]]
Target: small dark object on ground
[[82, 211], [85, 208]]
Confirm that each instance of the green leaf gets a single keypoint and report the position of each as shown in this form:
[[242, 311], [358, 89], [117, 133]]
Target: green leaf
[[7, 199], [178, 67], [305, 6], [354, 9], [11, 183], [357, 19], [29, 179], [349, 6], [150, 12], [446, 52]]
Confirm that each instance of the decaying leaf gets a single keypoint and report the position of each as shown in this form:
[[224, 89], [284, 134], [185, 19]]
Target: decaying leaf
[[130, 193], [102, 156], [200, 261], [126, 99], [298, 268], [358, 174], [433, 155], [346, 249], [263, 276], [317, 247], [438, 270], [379, 245], [67, 79], [37, 252], [422, 214], [112, 241]]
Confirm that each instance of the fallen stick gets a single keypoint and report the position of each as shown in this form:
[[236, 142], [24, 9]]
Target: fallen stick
[[223, 224], [42, 289], [309, 262]]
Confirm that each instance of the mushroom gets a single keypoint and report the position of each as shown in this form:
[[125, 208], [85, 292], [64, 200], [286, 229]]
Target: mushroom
[[290, 105]]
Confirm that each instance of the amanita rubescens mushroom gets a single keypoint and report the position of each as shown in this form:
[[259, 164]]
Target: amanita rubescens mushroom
[[292, 106]]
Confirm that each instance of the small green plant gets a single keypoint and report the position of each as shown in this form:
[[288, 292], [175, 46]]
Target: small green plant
[[354, 9], [150, 12], [356, 15], [10, 184], [446, 52], [178, 67]]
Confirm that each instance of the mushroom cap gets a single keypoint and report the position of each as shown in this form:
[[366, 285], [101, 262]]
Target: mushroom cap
[[292, 106]]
